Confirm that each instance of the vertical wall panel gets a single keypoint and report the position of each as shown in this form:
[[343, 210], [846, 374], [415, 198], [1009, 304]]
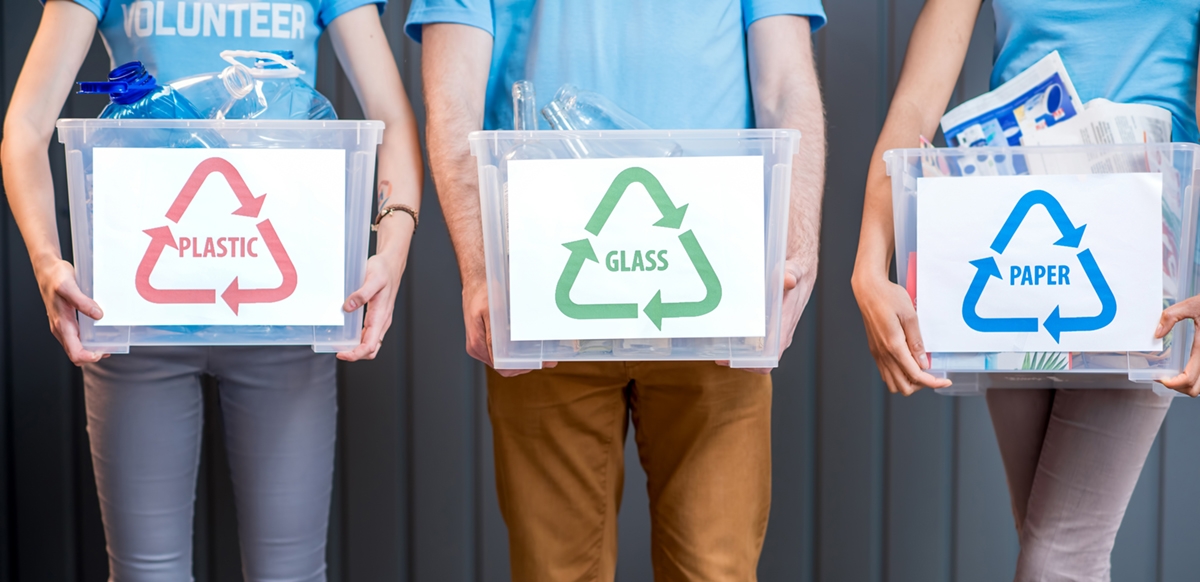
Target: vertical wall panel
[[1178, 503], [985, 540], [1136, 556], [850, 395]]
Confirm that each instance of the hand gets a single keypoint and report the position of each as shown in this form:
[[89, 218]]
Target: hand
[[63, 299], [478, 323], [378, 293], [894, 336], [795, 297], [1188, 381]]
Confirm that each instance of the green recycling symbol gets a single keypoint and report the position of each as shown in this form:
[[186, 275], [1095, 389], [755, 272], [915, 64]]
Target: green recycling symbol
[[656, 309]]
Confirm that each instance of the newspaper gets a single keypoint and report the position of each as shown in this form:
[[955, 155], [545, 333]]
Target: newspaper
[[1036, 99], [1105, 122], [1102, 122]]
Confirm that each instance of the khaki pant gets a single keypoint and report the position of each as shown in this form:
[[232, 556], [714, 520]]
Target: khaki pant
[[704, 439]]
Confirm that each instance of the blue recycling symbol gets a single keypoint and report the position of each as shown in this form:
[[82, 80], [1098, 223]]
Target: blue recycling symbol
[[1055, 323]]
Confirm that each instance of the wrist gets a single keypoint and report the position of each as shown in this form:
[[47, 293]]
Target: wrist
[[43, 262]]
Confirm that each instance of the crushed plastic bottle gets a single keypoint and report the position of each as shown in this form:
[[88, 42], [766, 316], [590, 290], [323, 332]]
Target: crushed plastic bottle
[[277, 92], [271, 89], [573, 109]]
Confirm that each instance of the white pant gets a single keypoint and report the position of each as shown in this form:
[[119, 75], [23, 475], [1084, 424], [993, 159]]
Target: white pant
[[144, 419], [1072, 458]]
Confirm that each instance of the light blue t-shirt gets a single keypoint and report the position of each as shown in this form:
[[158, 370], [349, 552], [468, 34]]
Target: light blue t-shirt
[[1126, 52], [674, 64], [175, 38]]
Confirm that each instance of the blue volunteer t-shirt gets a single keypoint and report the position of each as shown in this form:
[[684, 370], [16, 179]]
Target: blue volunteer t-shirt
[[1126, 52], [674, 64], [175, 38]]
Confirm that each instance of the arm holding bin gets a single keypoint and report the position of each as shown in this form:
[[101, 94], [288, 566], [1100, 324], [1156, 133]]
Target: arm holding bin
[[932, 64], [786, 94], [454, 65], [362, 48], [62, 41]]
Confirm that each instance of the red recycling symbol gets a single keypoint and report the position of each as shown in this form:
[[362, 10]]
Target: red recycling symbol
[[161, 237]]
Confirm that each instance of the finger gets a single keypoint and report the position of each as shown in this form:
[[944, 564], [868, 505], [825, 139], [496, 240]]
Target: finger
[[723, 363], [368, 346], [546, 365], [1190, 374], [371, 287], [889, 379], [912, 336], [77, 300], [69, 337], [511, 373], [1170, 316], [790, 280], [914, 374]]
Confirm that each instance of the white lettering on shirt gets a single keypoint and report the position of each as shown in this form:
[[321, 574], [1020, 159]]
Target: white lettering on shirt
[[181, 20], [280, 13], [190, 18], [259, 16], [298, 20], [237, 10], [138, 8], [214, 19], [159, 29]]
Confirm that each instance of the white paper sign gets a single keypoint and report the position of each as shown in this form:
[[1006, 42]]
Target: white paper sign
[[1040, 263], [219, 236], [636, 248]]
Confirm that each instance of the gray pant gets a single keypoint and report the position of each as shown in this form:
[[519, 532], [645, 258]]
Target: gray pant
[[1072, 458], [144, 418]]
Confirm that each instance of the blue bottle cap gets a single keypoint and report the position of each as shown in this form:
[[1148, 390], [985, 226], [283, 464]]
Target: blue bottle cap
[[126, 84]]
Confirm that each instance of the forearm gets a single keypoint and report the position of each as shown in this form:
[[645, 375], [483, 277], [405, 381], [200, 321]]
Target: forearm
[[932, 64], [455, 64], [30, 191], [787, 94]]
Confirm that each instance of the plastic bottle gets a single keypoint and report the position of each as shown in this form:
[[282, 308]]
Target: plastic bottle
[[573, 109], [277, 91]]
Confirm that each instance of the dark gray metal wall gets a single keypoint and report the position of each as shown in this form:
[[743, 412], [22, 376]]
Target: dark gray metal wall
[[868, 487]]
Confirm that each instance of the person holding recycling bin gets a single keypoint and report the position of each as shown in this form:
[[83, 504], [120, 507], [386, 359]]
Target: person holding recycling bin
[[144, 409], [559, 433], [1072, 457]]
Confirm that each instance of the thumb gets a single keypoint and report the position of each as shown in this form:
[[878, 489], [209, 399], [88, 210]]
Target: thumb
[[791, 277], [82, 303]]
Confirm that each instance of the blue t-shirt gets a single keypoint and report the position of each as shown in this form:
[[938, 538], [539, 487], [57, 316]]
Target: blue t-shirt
[[674, 64], [177, 39], [1126, 52]]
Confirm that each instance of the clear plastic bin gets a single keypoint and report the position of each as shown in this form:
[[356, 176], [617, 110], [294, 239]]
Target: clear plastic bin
[[358, 139], [493, 150], [975, 372]]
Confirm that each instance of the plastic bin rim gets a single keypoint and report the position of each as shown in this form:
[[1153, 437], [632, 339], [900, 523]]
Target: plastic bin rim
[[757, 133], [285, 124], [890, 155]]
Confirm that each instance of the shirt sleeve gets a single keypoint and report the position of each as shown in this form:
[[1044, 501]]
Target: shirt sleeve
[[331, 10], [477, 13], [753, 10], [97, 7]]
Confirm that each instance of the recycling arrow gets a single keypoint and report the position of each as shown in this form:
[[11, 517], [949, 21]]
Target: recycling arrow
[[251, 205], [672, 217], [581, 250], [656, 310], [1056, 324], [160, 238], [235, 295], [1070, 235], [987, 269]]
